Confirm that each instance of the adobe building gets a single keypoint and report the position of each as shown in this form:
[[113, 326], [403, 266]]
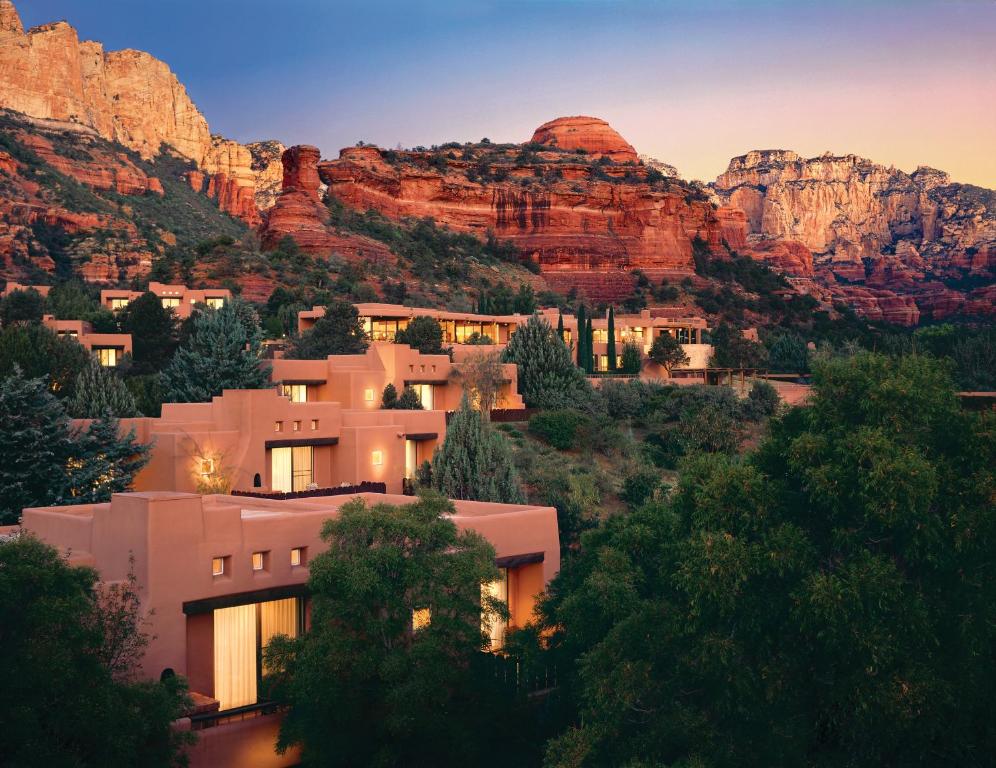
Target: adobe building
[[258, 439], [179, 298], [220, 575], [358, 381], [11, 287], [108, 347], [382, 322]]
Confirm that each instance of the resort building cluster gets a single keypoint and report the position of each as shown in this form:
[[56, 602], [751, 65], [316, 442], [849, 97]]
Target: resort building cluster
[[222, 522]]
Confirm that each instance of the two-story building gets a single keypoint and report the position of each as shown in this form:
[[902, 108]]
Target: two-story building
[[108, 347], [358, 381], [179, 298], [259, 439], [219, 576]]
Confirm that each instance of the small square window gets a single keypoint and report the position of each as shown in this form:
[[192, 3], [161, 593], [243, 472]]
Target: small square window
[[378, 458], [259, 561], [368, 395], [218, 566], [297, 426], [278, 426], [297, 556], [314, 424]]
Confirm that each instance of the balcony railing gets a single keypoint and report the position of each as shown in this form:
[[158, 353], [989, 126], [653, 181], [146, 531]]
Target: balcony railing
[[339, 490], [213, 719]]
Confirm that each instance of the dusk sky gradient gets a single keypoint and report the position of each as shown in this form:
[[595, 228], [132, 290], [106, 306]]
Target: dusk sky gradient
[[694, 83]]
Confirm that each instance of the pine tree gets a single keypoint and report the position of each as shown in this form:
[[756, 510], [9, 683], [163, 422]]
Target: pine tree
[[560, 325], [474, 461], [223, 352], [409, 400], [35, 446], [548, 377], [153, 331], [612, 341], [389, 398], [99, 392], [105, 462]]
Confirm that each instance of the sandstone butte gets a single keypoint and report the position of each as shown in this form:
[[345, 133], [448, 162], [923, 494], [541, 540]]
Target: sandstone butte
[[882, 240], [591, 134], [568, 217], [126, 96]]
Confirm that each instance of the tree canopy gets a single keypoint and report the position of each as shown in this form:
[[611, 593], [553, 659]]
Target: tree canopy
[[337, 332], [667, 352], [548, 377], [424, 334]]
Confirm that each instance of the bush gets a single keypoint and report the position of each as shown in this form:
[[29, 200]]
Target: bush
[[632, 359], [408, 400], [638, 488], [558, 428], [762, 401], [389, 399]]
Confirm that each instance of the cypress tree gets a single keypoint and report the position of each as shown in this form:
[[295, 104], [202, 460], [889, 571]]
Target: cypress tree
[[560, 325], [589, 347], [582, 355], [223, 352], [612, 341], [99, 392]]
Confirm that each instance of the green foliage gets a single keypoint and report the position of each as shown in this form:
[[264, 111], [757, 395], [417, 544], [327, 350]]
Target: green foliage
[[762, 401], [787, 353], [338, 332], [731, 350], [825, 601], [147, 391], [364, 687], [21, 307], [525, 300], [611, 346], [582, 340], [474, 461], [43, 462], [39, 352], [560, 429], [100, 392], [223, 352], [640, 487], [424, 334], [154, 333], [71, 649], [73, 300], [547, 376], [409, 400], [389, 398], [667, 352], [632, 358]]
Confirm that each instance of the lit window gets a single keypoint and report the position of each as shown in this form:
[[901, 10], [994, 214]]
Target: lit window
[[117, 304], [368, 395], [217, 566], [108, 356], [297, 556], [421, 618], [297, 426], [495, 626], [314, 424], [378, 458], [207, 467], [170, 302], [278, 426], [215, 302], [259, 561], [297, 393]]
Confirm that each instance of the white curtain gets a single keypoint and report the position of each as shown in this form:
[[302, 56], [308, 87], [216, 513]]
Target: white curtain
[[303, 460], [277, 617], [496, 627], [235, 656], [281, 476]]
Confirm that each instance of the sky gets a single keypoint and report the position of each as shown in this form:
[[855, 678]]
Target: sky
[[693, 83]]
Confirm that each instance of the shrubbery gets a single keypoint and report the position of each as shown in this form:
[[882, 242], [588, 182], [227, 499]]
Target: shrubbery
[[558, 428]]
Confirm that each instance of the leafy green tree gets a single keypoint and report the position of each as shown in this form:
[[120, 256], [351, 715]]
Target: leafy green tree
[[424, 334], [632, 358], [72, 300], [70, 648], [391, 672], [474, 461], [825, 601], [611, 348], [762, 401], [731, 350], [21, 307], [409, 400], [667, 353], [154, 333], [100, 392], [338, 332], [39, 352], [224, 351], [547, 376], [389, 398], [525, 300], [788, 354]]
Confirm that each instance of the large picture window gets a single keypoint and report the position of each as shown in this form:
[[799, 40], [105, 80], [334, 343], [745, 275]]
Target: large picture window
[[291, 469], [497, 627], [241, 634], [298, 393]]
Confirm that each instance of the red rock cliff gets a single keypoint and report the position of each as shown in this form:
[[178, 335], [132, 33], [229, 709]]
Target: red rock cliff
[[596, 137]]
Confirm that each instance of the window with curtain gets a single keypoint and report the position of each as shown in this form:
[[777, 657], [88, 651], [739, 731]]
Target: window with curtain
[[240, 635], [108, 356], [496, 627], [291, 469], [424, 392], [297, 393], [170, 302]]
